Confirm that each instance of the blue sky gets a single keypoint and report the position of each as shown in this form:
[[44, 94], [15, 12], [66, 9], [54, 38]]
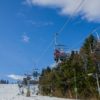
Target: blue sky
[[27, 28]]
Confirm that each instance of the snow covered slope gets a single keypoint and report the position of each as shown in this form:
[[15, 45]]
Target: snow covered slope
[[10, 92]]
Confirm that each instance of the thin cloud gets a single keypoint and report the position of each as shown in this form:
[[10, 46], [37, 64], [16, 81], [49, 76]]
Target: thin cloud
[[27, 2], [15, 77], [89, 9], [40, 23], [25, 38]]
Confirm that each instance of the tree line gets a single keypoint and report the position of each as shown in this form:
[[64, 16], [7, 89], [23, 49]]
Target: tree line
[[4, 81], [75, 77]]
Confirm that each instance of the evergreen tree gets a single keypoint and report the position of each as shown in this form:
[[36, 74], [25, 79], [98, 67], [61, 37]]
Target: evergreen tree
[[75, 77]]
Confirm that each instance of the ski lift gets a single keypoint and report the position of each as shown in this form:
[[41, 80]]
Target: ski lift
[[59, 53]]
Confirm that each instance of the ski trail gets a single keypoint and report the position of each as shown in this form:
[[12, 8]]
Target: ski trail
[[11, 92]]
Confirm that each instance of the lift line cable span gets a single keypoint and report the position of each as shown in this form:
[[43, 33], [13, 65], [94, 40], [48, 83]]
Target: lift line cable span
[[45, 51], [89, 33], [70, 18], [62, 28]]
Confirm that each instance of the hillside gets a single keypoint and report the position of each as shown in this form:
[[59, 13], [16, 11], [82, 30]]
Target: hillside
[[10, 92]]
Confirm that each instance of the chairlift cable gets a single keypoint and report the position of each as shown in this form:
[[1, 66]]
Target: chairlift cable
[[62, 28], [94, 30], [70, 18]]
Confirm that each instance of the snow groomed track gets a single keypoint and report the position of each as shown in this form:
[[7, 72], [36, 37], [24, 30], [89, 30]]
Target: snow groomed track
[[11, 92]]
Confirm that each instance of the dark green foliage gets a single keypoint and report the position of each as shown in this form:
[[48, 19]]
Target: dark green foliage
[[4, 81], [74, 75]]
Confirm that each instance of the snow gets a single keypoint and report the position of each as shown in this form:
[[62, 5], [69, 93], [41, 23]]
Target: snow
[[11, 92]]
